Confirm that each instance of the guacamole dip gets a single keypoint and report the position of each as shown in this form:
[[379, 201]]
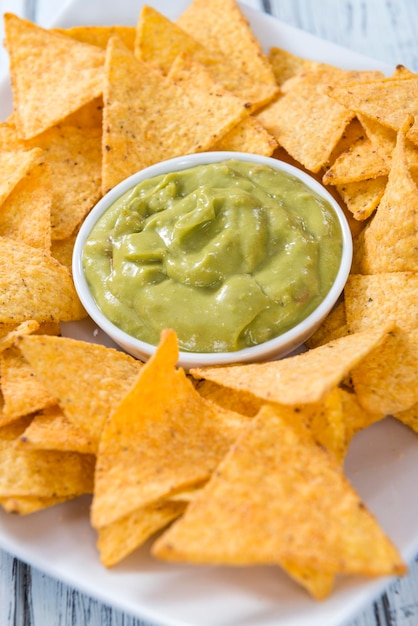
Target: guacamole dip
[[229, 255]]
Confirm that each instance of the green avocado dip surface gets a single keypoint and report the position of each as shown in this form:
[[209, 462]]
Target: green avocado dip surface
[[229, 255]]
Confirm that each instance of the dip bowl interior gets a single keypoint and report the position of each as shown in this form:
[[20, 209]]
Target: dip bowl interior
[[274, 348]]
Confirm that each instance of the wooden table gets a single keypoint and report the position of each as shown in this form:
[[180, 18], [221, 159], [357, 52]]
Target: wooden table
[[383, 30]]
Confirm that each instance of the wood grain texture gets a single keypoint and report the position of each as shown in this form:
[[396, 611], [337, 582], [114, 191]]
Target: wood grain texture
[[385, 30]]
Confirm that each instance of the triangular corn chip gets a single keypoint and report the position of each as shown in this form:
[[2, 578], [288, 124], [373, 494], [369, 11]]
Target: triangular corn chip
[[159, 41], [144, 120], [300, 379], [163, 437], [43, 92], [120, 538], [41, 473], [386, 100], [389, 243], [222, 28], [87, 379], [41, 290], [381, 298], [277, 497], [14, 165], [25, 215], [50, 429]]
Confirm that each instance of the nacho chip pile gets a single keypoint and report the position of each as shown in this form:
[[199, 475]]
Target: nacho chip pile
[[235, 465]]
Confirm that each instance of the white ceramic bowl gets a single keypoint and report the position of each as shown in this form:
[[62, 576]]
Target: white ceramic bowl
[[274, 348]]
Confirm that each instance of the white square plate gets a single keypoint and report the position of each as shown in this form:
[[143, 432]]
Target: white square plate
[[382, 465]]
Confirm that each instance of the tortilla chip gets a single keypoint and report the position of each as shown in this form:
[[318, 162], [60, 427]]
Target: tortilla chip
[[386, 381], [88, 116], [280, 381], [362, 161], [306, 121], [75, 157], [24, 505], [50, 429], [88, 380], [352, 133], [25, 215], [363, 197], [389, 243], [386, 100], [25, 328], [144, 119], [100, 35], [41, 473], [159, 41], [41, 290], [163, 437], [248, 136], [221, 27], [239, 401], [356, 418], [22, 392], [42, 92], [9, 137], [285, 65], [120, 538], [333, 327], [375, 299], [298, 506], [14, 165]]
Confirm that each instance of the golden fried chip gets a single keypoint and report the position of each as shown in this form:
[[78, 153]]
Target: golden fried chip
[[356, 418], [22, 392], [386, 381], [306, 122], [75, 157], [221, 27], [333, 327], [88, 116], [88, 380], [143, 117], [120, 538], [285, 65], [280, 381], [47, 95], [159, 41], [375, 299], [50, 429], [62, 250], [247, 136], [24, 505], [25, 328], [100, 35], [41, 473], [163, 437], [14, 165], [9, 138], [389, 243], [238, 401], [363, 197], [41, 290], [386, 100], [25, 215], [352, 133], [361, 161], [298, 506]]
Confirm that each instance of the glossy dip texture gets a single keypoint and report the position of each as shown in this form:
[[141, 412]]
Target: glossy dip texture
[[230, 254]]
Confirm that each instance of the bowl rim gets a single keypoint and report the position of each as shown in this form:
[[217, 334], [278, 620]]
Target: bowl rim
[[280, 345]]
